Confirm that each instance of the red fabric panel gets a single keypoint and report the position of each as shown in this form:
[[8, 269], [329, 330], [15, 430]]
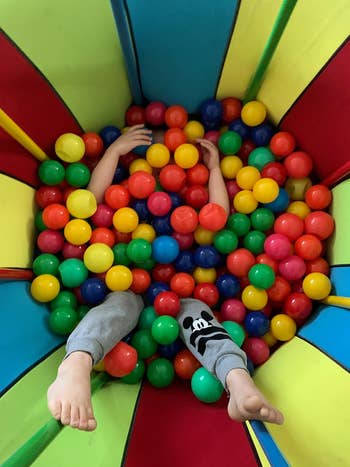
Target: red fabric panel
[[320, 117], [174, 429]]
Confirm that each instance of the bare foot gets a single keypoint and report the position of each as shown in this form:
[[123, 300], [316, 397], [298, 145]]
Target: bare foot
[[247, 402], [69, 396]]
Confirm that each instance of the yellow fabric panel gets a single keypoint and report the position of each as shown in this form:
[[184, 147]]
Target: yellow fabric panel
[[76, 47], [262, 457], [314, 32], [16, 223], [339, 246], [313, 393], [252, 28]]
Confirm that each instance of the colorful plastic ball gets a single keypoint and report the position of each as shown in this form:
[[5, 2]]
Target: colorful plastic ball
[[254, 298], [254, 241], [184, 219], [45, 288], [73, 251], [232, 309], [139, 250], [160, 373], [283, 327], [185, 364], [186, 155], [225, 241], [140, 206], [165, 329], [93, 290], [163, 272], [265, 190], [176, 116], [247, 176], [231, 107], [256, 349], [73, 272], [239, 262], [169, 351], [50, 241], [204, 275], [213, 136], [212, 217], [299, 208], [276, 171], [46, 263], [261, 276], [38, 222], [144, 343], [172, 177], [318, 197], [140, 165], [117, 196], [64, 298], [173, 138], [229, 142], [282, 143], [62, 320], [230, 166], [205, 386], [46, 195], [103, 235], [81, 203], [162, 225], [93, 145], [292, 268], [235, 331], [147, 316], [141, 280], [263, 258], [261, 134], [193, 130], [297, 187], [227, 285], [196, 196], [308, 247], [182, 284], [298, 306], [145, 232], [280, 203], [239, 127], [246, 148], [125, 220], [70, 147], [280, 290], [318, 223], [317, 265], [232, 189], [185, 262], [207, 293], [298, 164], [98, 257], [118, 278], [239, 223], [256, 323], [159, 203], [77, 174], [197, 175], [157, 155], [155, 289], [77, 231], [165, 249], [253, 113], [155, 113], [262, 219], [245, 202], [260, 157], [51, 172], [109, 134], [211, 110], [120, 254], [136, 374], [55, 216], [167, 303], [277, 246], [103, 216], [206, 257], [289, 225], [121, 360], [135, 115], [316, 286], [203, 236]]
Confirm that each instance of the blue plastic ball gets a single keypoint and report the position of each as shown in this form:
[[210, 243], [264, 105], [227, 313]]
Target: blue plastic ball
[[185, 262], [109, 134], [141, 150], [176, 200], [140, 206], [256, 323], [239, 127], [261, 134], [154, 289], [162, 225], [93, 290], [120, 174], [128, 337], [211, 111], [210, 126], [206, 256], [165, 249], [228, 285], [280, 203], [171, 350], [250, 366]]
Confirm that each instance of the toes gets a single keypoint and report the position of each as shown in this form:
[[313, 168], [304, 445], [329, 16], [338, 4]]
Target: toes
[[55, 408], [65, 414], [83, 420], [91, 424], [74, 416]]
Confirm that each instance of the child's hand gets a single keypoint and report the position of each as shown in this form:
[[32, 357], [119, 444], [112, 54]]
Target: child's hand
[[137, 135], [210, 153]]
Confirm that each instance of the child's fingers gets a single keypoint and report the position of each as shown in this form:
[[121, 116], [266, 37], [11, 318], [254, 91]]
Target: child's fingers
[[136, 127]]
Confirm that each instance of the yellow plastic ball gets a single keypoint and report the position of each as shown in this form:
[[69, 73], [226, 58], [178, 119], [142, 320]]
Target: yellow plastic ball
[[254, 298], [77, 231], [247, 177], [118, 278], [317, 286], [269, 339], [299, 208], [193, 130], [70, 147], [230, 166], [81, 203], [201, 275], [283, 327], [253, 113], [265, 190], [158, 155], [145, 231], [297, 187], [186, 155], [45, 288], [125, 220], [140, 164], [98, 257], [245, 202], [100, 366], [203, 236]]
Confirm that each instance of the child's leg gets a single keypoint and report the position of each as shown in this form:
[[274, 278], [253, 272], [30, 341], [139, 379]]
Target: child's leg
[[212, 346], [69, 397]]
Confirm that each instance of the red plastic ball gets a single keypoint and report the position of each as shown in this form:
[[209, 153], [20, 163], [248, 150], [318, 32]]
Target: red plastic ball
[[66, 192], [298, 164], [319, 223], [103, 235], [117, 196], [173, 138], [122, 237], [308, 247], [176, 116], [167, 303], [244, 151], [159, 203], [212, 217], [298, 306], [231, 109], [256, 349], [239, 262], [93, 144], [185, 364], [163, 272], [290, 225], [141, 280], [172, 177], [46, 195], [155, 113], [141, 184], [232, 188], [280, 290], [127, 159], [317, 265], [73, 251], [185, 240], [263, 258], [233, 310], [318, 197], [121, 360], [184, 219], [212, 136], [196, 196], [282, 143], [197, 175], [182, 284], [135, 115], [276, 171], [103, 216], [50, 241], [207, 293], [55, 216]]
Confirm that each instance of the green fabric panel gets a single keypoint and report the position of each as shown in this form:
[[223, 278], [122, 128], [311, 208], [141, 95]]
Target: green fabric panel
[[76, 47], [339, 245]]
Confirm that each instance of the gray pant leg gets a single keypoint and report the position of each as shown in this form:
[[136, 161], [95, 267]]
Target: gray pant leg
[[208, 341], [105, 325]]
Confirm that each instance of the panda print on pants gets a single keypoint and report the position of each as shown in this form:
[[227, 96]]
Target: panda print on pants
[[203, 331]]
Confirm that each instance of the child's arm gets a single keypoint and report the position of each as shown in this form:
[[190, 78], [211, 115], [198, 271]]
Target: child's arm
[[103, 173], [216, 185]]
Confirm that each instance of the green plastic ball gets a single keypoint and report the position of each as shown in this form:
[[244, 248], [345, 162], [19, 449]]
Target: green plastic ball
[[120, 254], [64, 298], [259, 157], [46, 263], [254, 241], [144, 343], [165, 330], [160, 373], [147, 316], [82, 310], [225, 241], [239, 224], [229, 142], [73, 272], [136, 375], [78, 174], [235, 331], [261, 276], [139, 250], [148, 264], [38, 221], [51, 172], [63, 320], [205, 386], [262, 219]]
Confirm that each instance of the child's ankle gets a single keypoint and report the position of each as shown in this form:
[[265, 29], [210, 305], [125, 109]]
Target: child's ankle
[[234, 374], [79, 358]]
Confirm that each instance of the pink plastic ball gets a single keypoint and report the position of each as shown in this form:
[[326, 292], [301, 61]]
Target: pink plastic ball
[[292, 268], [185, 240], [212, 136], [256, 349], [50, 241], [159, 203], [73, 251], [233, 310], [277, 246], [155, 113], [103, 216]]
